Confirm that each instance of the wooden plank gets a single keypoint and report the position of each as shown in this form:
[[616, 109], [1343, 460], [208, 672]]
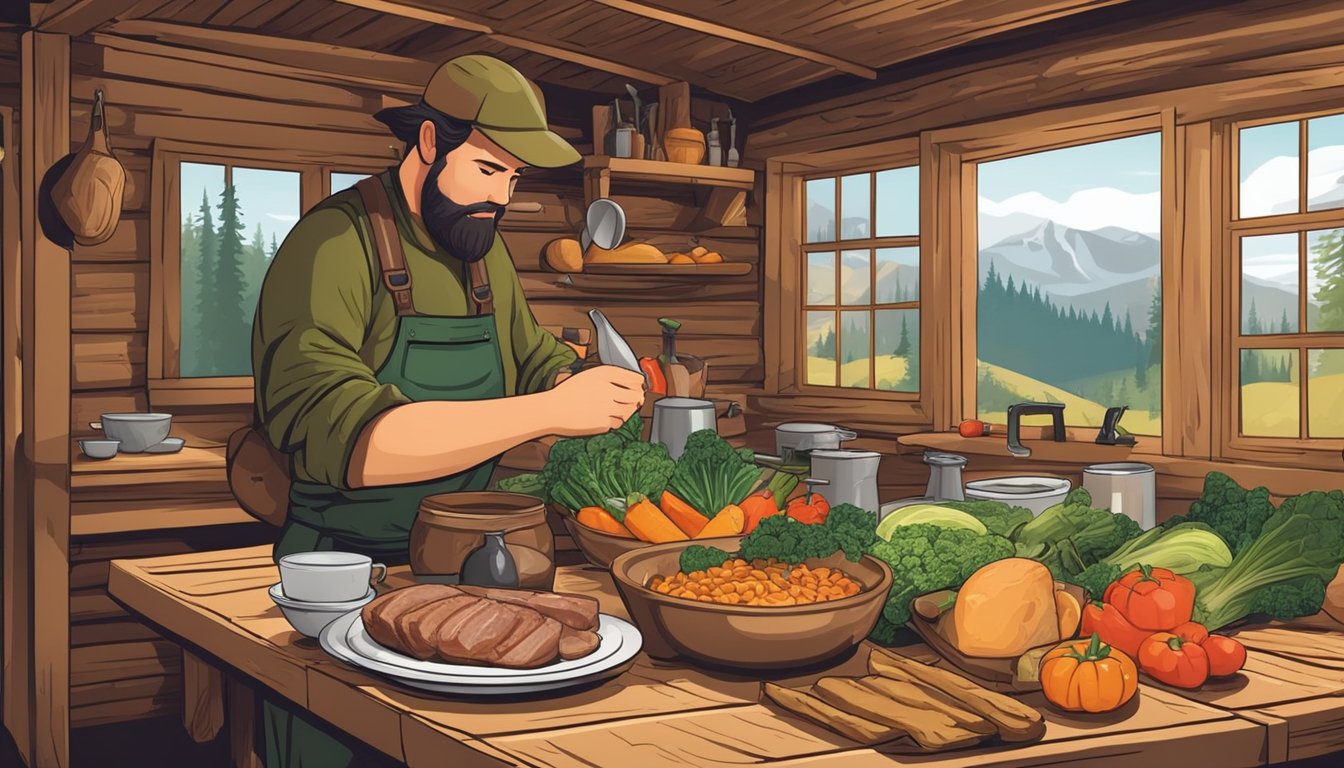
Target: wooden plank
[[87, 575], [125, 690], [93, 518], [160, 704], [110, 633], [721, 318], [1314, 727], [242, 703], [135, 195], [1192, 378], [86, 407], [189, 457], [129, 241], [202, 698], [101, 664], [46, 416], [1318, 647], [16, 582], [664, 172], [110, 297], [584, 287], [108, 360], [94, 605], [78, 17], [741, 36], [1185, 51]]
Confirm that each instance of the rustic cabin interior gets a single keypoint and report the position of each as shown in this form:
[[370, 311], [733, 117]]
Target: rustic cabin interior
[[940, 267]]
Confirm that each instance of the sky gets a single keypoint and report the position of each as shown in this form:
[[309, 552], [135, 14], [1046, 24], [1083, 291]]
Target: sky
[[268, 197]]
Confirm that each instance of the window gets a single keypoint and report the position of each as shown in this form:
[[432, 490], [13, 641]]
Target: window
[[1069, 307], [1288, 237], [233, 219], [223, 221], [860, 300]]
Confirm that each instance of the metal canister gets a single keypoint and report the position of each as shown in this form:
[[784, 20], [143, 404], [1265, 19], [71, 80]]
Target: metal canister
[[1127, 487]]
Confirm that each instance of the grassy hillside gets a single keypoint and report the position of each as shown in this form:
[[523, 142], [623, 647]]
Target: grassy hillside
[[1078, 411], [821, 370]]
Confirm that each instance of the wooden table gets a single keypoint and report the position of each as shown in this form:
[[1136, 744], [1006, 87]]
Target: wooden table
[[1288, 704]]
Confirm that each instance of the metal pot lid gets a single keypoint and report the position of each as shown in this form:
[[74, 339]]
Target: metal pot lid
[[844, 453], [808, 428], [683, 403], [1118, 468]]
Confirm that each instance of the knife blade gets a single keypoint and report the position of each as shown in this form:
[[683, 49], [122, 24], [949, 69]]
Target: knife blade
[[612, 349]]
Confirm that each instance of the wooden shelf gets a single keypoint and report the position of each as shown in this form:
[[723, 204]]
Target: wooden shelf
[[598, 173], [722, 269]]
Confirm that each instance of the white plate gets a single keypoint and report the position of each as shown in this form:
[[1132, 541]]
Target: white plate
[[358, 641], [169, 445], [450, 680]]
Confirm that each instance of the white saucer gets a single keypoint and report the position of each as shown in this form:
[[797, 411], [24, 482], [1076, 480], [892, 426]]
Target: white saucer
[[169, 445]]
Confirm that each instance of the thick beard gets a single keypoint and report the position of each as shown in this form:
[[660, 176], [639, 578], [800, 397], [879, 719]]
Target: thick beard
[[451, 225]]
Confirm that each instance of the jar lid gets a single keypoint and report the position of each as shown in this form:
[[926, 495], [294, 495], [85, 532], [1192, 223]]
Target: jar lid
[[844, 453], [683, 403], [1118, 468]]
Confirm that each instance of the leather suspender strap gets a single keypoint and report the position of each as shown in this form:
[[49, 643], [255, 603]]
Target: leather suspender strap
[[387, 243], [480, 288]]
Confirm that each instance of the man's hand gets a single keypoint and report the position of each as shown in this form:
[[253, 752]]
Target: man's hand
[[594, 401]]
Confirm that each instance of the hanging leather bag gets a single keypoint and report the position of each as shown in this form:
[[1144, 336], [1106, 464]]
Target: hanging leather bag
[[88, 194]]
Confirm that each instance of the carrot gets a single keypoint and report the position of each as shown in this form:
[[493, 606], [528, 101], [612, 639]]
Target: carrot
[[600, 519], [648, 523], [728, 522], [757, 507], [684, 515]]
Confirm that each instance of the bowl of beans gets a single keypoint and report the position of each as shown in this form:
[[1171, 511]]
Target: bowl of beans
[[750, 615]]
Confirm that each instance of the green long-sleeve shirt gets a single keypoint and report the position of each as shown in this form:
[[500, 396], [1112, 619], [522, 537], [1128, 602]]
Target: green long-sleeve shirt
[[325, 323]]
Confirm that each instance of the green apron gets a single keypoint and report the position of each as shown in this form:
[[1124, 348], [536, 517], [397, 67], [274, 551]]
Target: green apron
[[433, 358]]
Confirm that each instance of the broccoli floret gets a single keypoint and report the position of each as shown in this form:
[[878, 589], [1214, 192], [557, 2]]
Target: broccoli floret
[[1097, 577], [582, 472], [853, 529], [1000, 518], [1234, 513], [925, 557], [1302, 540], [635, 468], [885, 632], [1072, 535], [698, 557], [1288, 600], [710, 474], [530, 484], [783, 538]]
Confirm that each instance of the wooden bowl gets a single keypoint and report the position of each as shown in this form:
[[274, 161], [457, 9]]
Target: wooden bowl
[[684, 145], [599, 548], [747, 636], [449, 526]]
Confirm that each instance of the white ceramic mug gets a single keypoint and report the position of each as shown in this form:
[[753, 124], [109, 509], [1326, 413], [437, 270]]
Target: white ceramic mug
[[328, 577]]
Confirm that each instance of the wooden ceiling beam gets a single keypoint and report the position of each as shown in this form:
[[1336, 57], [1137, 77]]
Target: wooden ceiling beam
[[704, 26], [457, 20], [77, 17]]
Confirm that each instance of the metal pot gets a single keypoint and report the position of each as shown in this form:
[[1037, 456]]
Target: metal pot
[[675, 418], [851, 476], [801, 437]]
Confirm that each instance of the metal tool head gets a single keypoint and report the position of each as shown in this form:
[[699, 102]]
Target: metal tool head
[[604, 225]]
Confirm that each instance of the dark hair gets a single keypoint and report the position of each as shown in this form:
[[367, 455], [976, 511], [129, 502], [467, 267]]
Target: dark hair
[[405, 123]]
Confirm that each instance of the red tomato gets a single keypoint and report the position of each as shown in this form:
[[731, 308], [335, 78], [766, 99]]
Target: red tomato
[[1107, 623], [1171, 660], [1153, 598], [1226, 655], [1191, 632]]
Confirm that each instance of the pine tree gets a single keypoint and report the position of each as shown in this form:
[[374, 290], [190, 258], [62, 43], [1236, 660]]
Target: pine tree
[[274, 248], [255, 259], [1141, 369], [233, 321], [1329, 266], [206, 311], [189, 249], [1284, 327], [1154, 335], [1253, 321], [1107, 321], [1129, 327], [903, 346]]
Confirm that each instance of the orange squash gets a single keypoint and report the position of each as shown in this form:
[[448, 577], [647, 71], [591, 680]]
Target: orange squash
[[600, 519], [648, 523], [728, 522], [1088, 676]]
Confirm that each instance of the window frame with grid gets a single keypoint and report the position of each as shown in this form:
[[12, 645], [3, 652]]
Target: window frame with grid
[[838, 308], [1300, 223], [167, 387]]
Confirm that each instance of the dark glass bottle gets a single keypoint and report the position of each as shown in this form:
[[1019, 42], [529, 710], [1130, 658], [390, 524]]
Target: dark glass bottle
[[490, 565]]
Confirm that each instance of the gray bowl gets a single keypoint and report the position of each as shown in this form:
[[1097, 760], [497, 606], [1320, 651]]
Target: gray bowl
[[99, 449], [309, 618], [137, 431]]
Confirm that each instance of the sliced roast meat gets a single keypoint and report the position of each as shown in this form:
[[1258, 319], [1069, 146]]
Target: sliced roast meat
[[539, 647], [477, 639], [421, 625], [577, 643], [577, 611], [377, 614]]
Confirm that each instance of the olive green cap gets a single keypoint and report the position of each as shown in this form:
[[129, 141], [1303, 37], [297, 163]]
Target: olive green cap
[[503, 105]]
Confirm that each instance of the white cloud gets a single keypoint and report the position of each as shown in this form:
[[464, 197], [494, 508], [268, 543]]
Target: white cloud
[[1086, 209], [286, 217], [1272, 187]]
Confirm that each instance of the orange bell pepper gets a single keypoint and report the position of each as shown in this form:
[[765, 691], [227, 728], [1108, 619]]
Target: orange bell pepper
[[1107, 622], [657, 380]]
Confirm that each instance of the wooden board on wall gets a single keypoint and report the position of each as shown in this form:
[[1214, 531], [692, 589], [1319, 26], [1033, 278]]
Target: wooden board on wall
[[110, 297]]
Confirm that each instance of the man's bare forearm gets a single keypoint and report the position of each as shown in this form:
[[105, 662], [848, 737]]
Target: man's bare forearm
[[428, 440]]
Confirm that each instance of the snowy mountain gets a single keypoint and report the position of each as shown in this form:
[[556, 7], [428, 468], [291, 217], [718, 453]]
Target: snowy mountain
[[1084, 269]]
